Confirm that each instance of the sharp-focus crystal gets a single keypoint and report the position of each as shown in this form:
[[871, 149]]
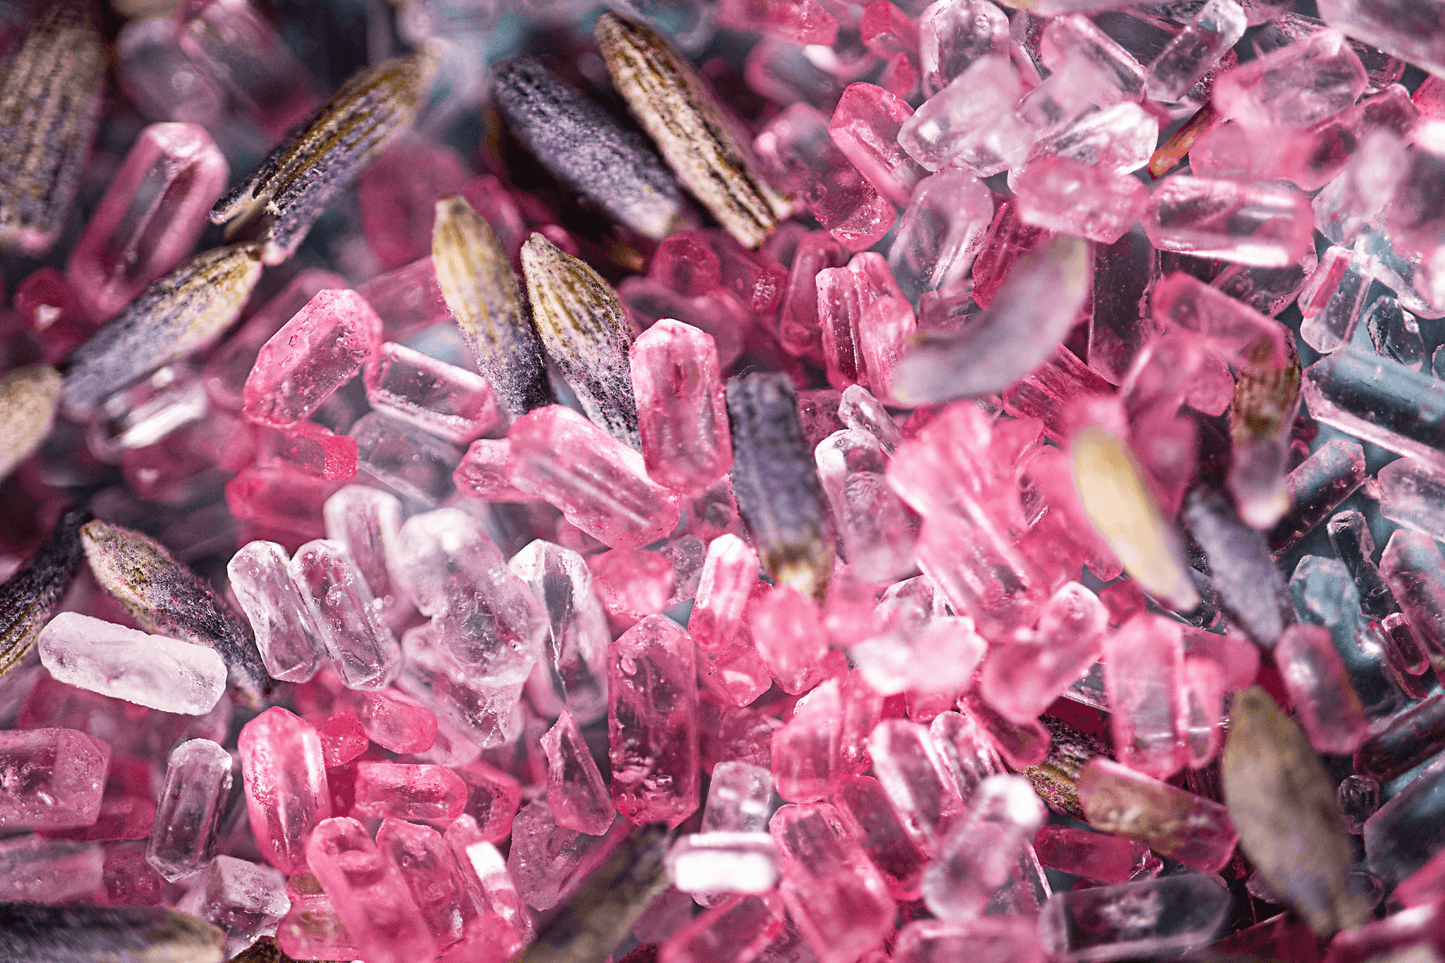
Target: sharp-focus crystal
[[576, 791], [449, 402], [363, 650], [577, 636], [285, 781], [1256, 224], [970, 122], [1143, 675], [51, 778], [1297, 85], [420, 793], [681, 413], [1094, 856], [652, 723], [1332, 299], [940, 233], [865, 128], [286, 633], [190, 809]]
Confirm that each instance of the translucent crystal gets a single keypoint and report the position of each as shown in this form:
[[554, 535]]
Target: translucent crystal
[[865, 128], [1325, 701], [577, 635], [970, 122], [720, 862], [1173, 822], [51, 778], [363, 651], [1256, 224], [682, 417], [1156, 916], [192, 804], [1195, 50], [450, 402], [1325, 595], [575, 789], [940, 233], [954, 34], [418, 793], [981, 852], [285, 781], [286, 632], [242, 898], [432, 875]]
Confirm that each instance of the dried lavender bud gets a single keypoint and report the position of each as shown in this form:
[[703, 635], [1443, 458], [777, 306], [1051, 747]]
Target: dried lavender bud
[[678, 112], [28, 399], [595, 920], [1251, 589], [28, 597], [124, 934], [480, 288], [174, 316], [1289, 819], [167, 598], [323, 156], [586, 149], [1055, 779], [775, 480], [49, 104], [583, 327]]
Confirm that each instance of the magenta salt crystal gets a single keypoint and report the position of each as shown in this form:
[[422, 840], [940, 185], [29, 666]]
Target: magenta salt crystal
[[407, 298], [875, 528], [1094, 856], [151, 216], [391, 719], [796, 153], [487, 877], [432, 876], [687, 263], [1177, 914], [916, 780], [483, 472], [734, 931], [191, 806], [1194, 51], [1069, 197], [940, 233], [970, 123], [1143, 668], [575, 788], [1332, 300], [1255, 224], [599, 484], [1325, 701], [981, 853], [682, 416], [370, 895], [954, 34], [652, 723], [419, 793], [1412, 566], [313, 354], [285, 780], [870, 816], [34, 869], [397, 194], [245, 900], [547, 861], [312, 926], [51, 778], [729, 574], [363, 651], [1297, 85], [367, 521], [631, 583], [798, 319], [865, 128], [1023, 675], [832, 891], [450, 402], [577, 635], [160, 78], [989, 940], [807, 761], [342, 739], [799, 21], [787, 630]]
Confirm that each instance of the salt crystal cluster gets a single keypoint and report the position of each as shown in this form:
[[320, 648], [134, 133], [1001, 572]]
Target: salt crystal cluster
[[796, 482]]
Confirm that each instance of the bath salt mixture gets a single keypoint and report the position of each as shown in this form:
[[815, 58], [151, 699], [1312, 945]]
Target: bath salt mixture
[[722, 481]]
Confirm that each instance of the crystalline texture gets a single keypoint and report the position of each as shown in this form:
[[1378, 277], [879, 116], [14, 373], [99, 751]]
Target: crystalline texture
[[286, 789], [192, 804], [575, 789], [286, 633], [1128, 920], [51, 778], [682, 416], [363, 650]]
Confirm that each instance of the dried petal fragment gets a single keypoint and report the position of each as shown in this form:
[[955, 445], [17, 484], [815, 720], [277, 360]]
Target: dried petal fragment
[[28, 596], [1290, 825], [323, 156], [49, 104], [584, 147], [167, 598], [183, 311], [679, 113], [28, 399], [584, 329]]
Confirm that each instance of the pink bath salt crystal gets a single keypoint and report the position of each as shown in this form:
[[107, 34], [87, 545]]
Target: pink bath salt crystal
[[486, 938], [631, 583], [34, 869], [885, 332], [1234, 329], [121, 817], [575, 789], [342, 739], [312, 928], [483, 472], [735, 672], [798, 319], [992, 939], [231, 41], [729, 573], [391, 719], [886, 30], [313, 354], [598, 483], [865, 128], [1021, 745], [1173, 822], [1143, 672], [450, 402], [941, 233], [1075, 37], [492, 799], [1094, 856], [798, 21], [1048, 391], [1333, 299], [796, 154], [981, 852], [1024, 674], [1068, 197], [127, 879], [952, 36], [51, 778], [397, 193], [733, 931], [52, 312], [807, 761], [419, 793], [369, 894], [230, 363], [1297, 85], [652, 723], [686, 262], [546, 861], [151, 216], [364, 652], [869, 815], [1187, 58], [681, 412], [840, 304], [407, 298], [916, 779], [1009, 238], [970, 123], [787, 630], [755, 279], [284, 773], [311, 449], [1325, 701], [1260, 224], [833, 893], [1200, 725], [431, 874], [1238, 659]]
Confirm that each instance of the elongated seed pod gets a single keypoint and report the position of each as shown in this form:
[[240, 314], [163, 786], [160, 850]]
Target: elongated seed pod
[[321, 157], [481, 290], [28, 399], [166, 597], [679, 113], [49, 105], [178, 314], [85, 934], [30, 595], [585, 332]]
